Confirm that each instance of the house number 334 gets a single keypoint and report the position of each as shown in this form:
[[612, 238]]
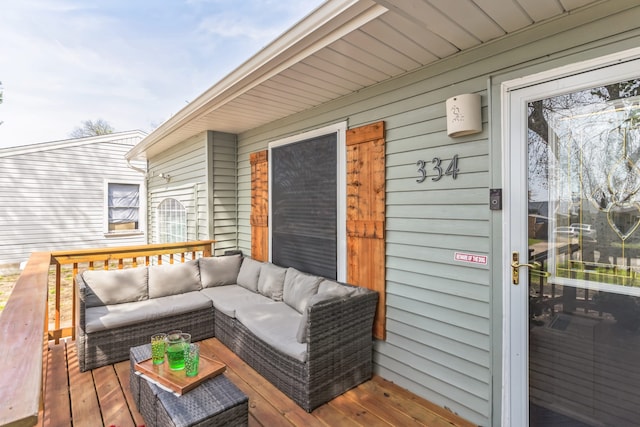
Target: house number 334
[[438, 168]]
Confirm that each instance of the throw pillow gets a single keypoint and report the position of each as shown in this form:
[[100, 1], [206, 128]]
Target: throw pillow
[[219, 270], [298, 288], [271, 281], [249, 273], [173, 279], [106, 287]]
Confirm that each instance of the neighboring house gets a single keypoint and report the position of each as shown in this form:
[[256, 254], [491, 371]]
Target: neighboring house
[[331, 145], [72, 194]]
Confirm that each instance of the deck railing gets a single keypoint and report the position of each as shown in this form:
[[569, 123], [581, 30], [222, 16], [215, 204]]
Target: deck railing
[[111, 258], [24, 322]]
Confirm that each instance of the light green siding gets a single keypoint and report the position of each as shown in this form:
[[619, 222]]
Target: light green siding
[[186, 166], [223, 200], [202, 174], [443, 316]]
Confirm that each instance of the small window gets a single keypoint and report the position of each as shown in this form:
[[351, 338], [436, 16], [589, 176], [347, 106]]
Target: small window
[[123, 205], [172, 221]]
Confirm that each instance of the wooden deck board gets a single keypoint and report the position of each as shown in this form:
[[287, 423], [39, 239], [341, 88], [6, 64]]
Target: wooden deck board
[[113, 404], [122, 371], [85, 409], [102, 397], [57, 387], [45, 359], [379, 406]]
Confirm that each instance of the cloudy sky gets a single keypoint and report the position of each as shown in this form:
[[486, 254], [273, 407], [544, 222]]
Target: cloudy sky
[[133, 63]]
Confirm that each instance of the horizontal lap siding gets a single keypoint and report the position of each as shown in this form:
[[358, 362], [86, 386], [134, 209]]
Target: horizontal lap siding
[[203, 179], [53, 199], [223, 200], [439, 326], [186, 164], [438, 310]]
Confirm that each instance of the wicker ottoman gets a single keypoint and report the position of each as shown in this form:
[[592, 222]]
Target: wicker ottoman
[[215, 402]]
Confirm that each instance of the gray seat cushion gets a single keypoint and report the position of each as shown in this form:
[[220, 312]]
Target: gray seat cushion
[[130, 313], [276, 324], [173, 279], [105, 287], [219, 270], [227, 299]]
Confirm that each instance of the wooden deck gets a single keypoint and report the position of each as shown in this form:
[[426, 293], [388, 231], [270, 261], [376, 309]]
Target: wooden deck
[[101, 397]]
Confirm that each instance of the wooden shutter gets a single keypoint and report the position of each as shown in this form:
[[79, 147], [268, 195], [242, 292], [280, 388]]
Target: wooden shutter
[[366, 214], [259, 206]]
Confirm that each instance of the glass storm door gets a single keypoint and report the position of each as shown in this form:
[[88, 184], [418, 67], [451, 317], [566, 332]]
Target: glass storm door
[[574, 227]]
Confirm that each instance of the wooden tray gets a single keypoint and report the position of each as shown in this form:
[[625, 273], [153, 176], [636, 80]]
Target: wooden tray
[[178, 381]]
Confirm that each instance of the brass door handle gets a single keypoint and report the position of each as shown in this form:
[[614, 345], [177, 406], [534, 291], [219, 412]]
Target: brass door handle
[[536, 265], [515, 268]]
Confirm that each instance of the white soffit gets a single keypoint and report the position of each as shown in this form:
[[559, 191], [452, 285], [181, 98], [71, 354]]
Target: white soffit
[[342, 47]]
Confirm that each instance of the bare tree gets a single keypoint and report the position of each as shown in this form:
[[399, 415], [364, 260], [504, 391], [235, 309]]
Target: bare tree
[[92, 128]]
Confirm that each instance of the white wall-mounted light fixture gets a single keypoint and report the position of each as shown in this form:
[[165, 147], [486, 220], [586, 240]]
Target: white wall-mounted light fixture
[[464, 115], [165, 176]]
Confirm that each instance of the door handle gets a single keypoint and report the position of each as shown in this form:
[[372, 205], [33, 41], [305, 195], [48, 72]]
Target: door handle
[[515, 268]]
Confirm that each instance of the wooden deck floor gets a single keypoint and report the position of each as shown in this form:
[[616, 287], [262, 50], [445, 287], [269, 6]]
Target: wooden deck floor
[[101, 397]]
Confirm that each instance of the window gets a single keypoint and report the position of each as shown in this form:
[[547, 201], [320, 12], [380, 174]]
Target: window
[[306, 215], [172, 221], [123, 208]]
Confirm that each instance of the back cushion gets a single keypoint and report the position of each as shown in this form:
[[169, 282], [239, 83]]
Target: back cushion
[[332, 288], [219, 270], [298, 288], [106, 287], [249, 273], [271, 281], [172, 279]]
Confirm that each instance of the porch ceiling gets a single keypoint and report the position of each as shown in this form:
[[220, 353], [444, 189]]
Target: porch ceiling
[[342, 47]]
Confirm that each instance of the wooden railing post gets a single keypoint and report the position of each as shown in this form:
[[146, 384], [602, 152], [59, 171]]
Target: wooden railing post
[[56, 323]]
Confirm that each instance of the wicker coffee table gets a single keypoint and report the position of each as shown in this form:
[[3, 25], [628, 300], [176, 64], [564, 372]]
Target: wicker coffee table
[[215, 402]]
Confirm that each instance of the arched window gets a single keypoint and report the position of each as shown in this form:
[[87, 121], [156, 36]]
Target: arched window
[[172, 221]]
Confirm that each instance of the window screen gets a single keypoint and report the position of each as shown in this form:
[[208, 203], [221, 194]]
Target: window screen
[[123, 205], [304, 205]]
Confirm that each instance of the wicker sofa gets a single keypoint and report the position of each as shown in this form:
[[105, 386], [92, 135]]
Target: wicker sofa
[[309, 336]]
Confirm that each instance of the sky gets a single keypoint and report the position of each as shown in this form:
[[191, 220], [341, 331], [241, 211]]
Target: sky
[[132, 63]]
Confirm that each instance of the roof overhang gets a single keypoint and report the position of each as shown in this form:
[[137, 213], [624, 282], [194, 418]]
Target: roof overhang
[[340, 48]]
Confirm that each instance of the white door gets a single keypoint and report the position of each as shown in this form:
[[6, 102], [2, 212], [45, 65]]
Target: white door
[[572, 211]]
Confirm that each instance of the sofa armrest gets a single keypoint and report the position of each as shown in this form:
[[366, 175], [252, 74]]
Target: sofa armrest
[[336, 324], [81, 301]]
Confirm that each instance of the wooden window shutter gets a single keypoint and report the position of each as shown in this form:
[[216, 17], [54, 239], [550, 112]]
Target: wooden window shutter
[[260, 206], [366, 214]]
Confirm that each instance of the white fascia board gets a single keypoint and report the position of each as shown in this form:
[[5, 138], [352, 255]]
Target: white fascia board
[[327, 24]]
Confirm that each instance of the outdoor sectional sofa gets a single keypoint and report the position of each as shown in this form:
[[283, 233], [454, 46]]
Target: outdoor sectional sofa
[[309, 336]]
